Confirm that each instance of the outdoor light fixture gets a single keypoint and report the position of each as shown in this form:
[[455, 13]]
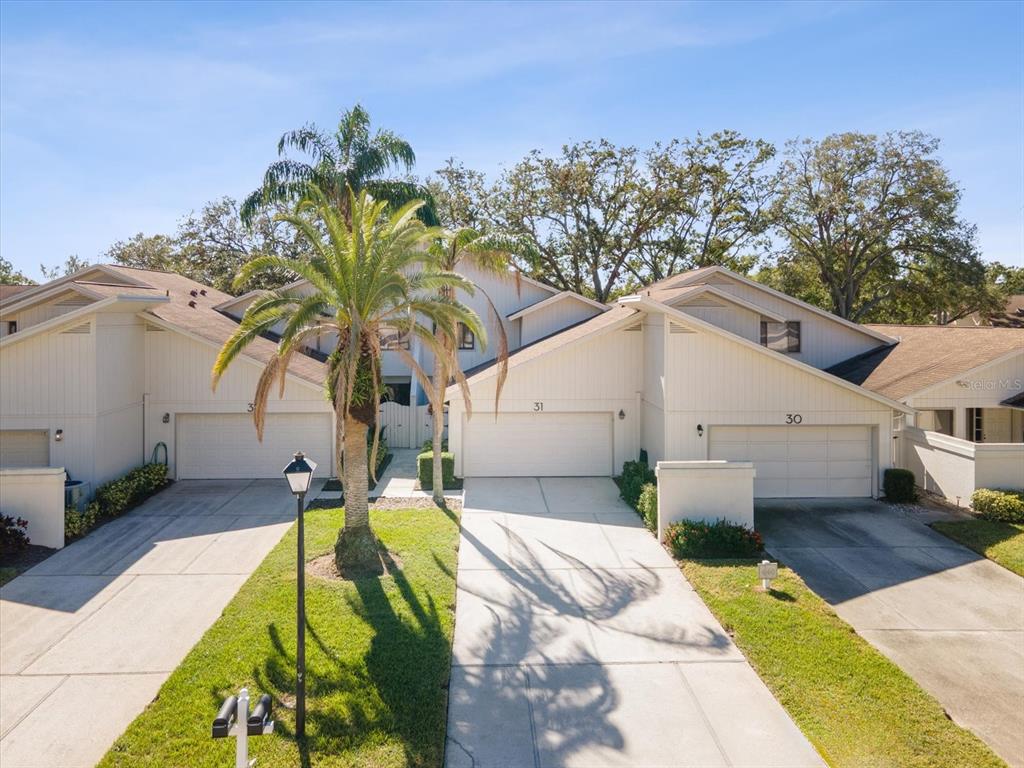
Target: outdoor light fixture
[[622, 414], [58, 435], [299, 474], [700, 430]]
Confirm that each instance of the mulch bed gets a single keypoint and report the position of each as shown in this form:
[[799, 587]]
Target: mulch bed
[[25, 558]]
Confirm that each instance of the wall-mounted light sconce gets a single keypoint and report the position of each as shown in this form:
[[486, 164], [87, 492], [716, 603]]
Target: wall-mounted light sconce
[[166, 419], [622, 414], [58, 435], [700, 430]]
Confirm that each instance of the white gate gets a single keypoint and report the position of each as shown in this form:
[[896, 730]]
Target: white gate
[[407, 426]]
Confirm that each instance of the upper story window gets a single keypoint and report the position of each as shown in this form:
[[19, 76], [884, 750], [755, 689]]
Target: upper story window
[[12, 326], [394, 341], [782, 337], [466, 338]]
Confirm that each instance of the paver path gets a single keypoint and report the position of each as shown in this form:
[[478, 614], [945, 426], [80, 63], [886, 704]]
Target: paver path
[[579, 643], [951, 619], [88, 636]]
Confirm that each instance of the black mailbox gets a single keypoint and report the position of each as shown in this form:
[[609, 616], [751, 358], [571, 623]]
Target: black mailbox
[[260, 715], [225, 717]]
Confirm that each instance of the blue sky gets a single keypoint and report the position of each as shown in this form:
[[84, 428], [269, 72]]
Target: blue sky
[[120, 118]]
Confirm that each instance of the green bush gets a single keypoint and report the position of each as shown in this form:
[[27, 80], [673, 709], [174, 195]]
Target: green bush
[[1002, 506], [80, 523], [721, 539], [647, 506], [118, 496], [899, 486], [428, 445], [382, 450], [12, 534], [425, 467], [635, 475]]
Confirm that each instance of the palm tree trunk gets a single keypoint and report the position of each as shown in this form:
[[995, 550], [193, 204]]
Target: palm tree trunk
[[357, 508], [437, 400]]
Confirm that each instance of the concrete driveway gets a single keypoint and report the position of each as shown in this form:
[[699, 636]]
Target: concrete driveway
[[579, 643], [88, 636], [951, 619]]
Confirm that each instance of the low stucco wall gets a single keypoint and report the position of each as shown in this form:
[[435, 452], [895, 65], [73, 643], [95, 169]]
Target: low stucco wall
[[37, 495], [955, 468], [705, 490]]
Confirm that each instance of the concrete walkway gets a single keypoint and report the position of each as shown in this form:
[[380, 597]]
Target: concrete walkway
[[951, 619], [88, 636], [400, 477], [579, 643]]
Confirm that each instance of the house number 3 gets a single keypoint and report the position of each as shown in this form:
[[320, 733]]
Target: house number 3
[[794, 418], [538, 406]]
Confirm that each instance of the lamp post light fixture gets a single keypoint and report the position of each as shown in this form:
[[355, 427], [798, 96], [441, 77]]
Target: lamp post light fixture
[[299, 474]]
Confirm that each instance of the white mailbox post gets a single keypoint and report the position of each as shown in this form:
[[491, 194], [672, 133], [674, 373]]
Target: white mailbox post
[[766, 571]]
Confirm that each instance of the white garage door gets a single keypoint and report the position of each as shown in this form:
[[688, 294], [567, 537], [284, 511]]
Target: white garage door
[[24, 448], [800, 462], [548, 444], [224, 445]]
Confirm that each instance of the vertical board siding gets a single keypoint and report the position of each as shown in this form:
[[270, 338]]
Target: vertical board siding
[[69, 301], [554, 317], [738, 320]]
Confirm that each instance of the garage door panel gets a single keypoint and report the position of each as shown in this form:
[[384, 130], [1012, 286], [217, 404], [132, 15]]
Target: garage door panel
[[224, 445], [564, 444], [800, 461]]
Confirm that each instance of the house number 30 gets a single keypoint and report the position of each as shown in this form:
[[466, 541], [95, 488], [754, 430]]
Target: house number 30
[[794, 418], [538, 406]]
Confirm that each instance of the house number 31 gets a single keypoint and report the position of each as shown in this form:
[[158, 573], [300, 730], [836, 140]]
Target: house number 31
[[538, 406], [794, 418]]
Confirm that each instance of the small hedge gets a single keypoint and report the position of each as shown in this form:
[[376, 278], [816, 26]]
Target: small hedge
[[647, 506], [115, 498], [635, 475], [12, 534], [721, 539], [425, 469], [1000, 506], [899, 486]]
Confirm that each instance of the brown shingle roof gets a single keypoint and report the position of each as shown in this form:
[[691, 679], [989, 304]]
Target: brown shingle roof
[[926, 355], [203, 320], [6, 291]]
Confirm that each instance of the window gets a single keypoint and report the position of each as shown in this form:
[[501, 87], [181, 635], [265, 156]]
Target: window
[[12, 326], [782, 337], [975, 425], [394, 341], [466, 338], [940, 421]]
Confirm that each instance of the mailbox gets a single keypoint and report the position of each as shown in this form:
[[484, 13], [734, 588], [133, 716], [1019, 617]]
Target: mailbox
[[766, 571], [234, 719]]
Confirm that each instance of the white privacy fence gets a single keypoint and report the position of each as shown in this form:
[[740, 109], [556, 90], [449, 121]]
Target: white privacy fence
[[407, 426], [955, 468]]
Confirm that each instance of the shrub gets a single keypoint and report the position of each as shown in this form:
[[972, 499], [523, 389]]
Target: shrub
[[425, 466], [80, 523], [721, 539], [635, 475], [647, 506], [118, 496], [428, 445], [12, 534], [1002, 506], [382, 450], [899, 486]]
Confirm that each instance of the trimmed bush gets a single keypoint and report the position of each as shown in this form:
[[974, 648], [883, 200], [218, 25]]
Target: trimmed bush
[[12, 534], [635, 475], [80, 523], [647, 506], [118, 496], [425, 467], [1000, 506], [899, 486], [721, 539], [428, 445]]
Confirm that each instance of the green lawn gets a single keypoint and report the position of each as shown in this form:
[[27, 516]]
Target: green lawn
[[6, 574], [1001, 542], [855, 706], [377, 659]]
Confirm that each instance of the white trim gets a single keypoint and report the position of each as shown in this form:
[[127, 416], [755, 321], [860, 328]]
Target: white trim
[[554, 300], [969, 372], [69, 318], [686, 279], [159, 321], [30, 295], [655, 306], [725, 296]]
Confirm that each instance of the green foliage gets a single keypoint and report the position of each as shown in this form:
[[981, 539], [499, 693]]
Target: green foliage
[[428, 445], [77, 523], [12, 534], [1005, 506], [425, 470], [10, 276], [71, 265], [899, 486], [118, 496], [721, 539], [635, 475], [1000, 542], [647, 505], [382, 450]]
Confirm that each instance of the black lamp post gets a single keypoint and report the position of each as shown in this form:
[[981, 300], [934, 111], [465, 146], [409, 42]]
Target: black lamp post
[[299, 474]]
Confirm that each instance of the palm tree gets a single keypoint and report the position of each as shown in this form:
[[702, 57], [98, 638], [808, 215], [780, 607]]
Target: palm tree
[[350, 159], [369, 283], [490, 254]]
